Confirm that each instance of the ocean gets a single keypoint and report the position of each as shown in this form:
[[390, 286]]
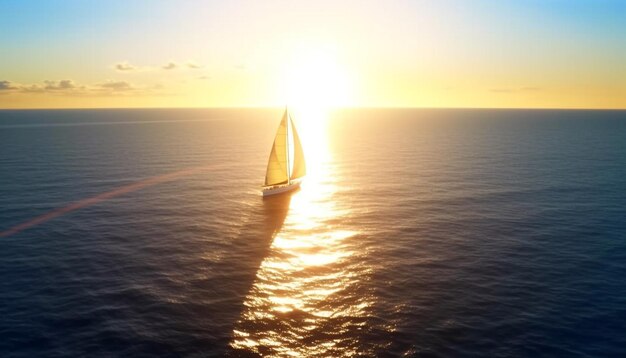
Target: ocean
[[417, 232]]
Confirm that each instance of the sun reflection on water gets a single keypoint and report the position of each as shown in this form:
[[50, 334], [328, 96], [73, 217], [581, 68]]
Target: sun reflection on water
[[305, 299]]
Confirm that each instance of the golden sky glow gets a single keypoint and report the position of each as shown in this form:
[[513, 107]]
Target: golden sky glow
[[559, 54]]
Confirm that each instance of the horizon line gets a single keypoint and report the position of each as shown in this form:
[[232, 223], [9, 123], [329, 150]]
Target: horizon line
[[330, 108]]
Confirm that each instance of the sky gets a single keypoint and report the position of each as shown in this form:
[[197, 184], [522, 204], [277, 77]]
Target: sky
[[445, 53]]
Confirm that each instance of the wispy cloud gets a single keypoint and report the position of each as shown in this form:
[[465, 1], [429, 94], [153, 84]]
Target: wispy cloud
[[116, 85], [169, 66], [204, 77], [515, 90], [70, 88], [62, 85], [33, 88], [193, 65], [6, 86], [124, 66]]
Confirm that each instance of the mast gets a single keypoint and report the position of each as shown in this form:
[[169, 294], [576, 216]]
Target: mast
[[287, 146]]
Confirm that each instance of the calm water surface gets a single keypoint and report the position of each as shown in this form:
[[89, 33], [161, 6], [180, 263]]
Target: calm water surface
[[416, 233]]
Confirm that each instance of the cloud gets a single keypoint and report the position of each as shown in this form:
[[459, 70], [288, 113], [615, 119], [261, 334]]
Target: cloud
[[34, 88], [204, 77], [116, 85], [60, 85], [124, 66], [193, 65], [71, 88], [169, 66], [515, 90], [6, 85]]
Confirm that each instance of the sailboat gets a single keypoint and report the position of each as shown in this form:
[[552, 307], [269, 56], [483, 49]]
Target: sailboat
[[286, 166]]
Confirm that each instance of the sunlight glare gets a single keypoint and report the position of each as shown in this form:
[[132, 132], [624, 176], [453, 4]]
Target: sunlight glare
[[314, 79]]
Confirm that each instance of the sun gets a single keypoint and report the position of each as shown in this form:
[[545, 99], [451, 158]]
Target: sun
[[313, 79]]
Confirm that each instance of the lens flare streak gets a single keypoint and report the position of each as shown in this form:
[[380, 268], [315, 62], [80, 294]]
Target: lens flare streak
[[159, 179]]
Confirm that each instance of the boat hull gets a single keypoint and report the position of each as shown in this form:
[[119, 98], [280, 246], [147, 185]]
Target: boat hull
[[280, 189]]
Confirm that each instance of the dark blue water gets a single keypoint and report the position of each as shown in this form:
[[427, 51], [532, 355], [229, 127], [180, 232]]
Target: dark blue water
[[417, 233]]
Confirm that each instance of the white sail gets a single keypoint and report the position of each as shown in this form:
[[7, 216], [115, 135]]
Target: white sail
[[299, 165], [286, 162], [277, 165]]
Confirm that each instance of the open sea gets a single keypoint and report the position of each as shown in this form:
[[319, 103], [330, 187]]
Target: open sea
[[417, 233]]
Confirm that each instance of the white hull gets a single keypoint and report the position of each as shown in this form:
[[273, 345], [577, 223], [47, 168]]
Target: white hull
[[279, 189]]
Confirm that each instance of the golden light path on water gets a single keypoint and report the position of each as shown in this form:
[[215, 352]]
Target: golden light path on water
[[303, 301]]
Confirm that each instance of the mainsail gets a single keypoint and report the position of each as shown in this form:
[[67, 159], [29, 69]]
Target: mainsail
[[281, 163], [277, 169]]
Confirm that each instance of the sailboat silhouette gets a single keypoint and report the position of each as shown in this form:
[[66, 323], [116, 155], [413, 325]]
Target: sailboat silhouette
[[284, 170]]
